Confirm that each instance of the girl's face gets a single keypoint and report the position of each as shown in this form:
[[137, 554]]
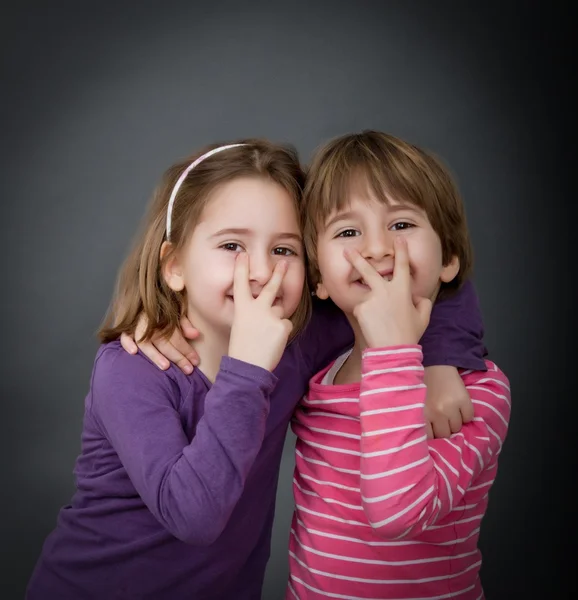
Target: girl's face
[[250, 215]]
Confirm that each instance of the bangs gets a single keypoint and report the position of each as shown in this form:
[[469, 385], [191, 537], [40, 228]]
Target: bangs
[[391, 175]]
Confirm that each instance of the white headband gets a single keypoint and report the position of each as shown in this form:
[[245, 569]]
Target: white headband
[[184, 176]]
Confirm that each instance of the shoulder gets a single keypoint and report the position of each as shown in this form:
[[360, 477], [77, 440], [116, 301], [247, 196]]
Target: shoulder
[[118, 373], [325, 311], [327, 324]]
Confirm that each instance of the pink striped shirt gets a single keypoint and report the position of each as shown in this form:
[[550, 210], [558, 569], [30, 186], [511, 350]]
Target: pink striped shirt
[[381, 512]]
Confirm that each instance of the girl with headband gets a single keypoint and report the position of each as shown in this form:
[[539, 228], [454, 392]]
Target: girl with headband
[[177, 474]]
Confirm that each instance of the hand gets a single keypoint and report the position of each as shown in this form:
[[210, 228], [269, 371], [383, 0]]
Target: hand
[[259, 333], [389, 316], [448, 404], [176, 348]]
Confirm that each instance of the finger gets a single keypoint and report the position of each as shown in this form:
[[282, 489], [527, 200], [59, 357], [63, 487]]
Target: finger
[[190, 332], [128, 343], [182, 346], [269, 291], [141, 327], [456, 423], [428, 422], [148, 349], [401, 261], [241, 287], [441, 428], [288, 326], [168, 351], [277, 311], [371, 277], [467, 411], [424, 308]]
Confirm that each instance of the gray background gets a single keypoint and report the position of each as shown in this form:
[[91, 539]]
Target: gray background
[[99, 98]]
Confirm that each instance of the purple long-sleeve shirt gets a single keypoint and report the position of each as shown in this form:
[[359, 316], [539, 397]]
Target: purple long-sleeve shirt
[[177, 478]]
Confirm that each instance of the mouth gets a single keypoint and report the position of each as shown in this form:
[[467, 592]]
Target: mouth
[[387, 275], [277, 302]]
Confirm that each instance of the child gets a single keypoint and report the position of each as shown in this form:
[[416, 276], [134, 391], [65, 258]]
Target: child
[[381, 512], [177, 476]]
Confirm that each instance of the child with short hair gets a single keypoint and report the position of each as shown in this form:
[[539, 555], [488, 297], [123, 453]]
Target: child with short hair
[[381, 511]]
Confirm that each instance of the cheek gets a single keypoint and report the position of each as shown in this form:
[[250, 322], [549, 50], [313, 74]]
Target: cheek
[[215, 270], [425, 256], [332, 262], [294, 279]]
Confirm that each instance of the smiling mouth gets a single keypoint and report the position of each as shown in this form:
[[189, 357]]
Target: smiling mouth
[[361, 281], [278, 299]]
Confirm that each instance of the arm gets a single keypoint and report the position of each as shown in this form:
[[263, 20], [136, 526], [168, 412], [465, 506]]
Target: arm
[[420, 482], [455, 332], [190, 486], [453, 338], [325, 337]]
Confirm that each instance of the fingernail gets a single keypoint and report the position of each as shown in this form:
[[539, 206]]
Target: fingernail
[[163, 366], [188, 369]]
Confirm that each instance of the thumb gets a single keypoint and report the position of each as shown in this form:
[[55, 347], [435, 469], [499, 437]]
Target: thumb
[[288, 326], [424, 308], [127, 342]]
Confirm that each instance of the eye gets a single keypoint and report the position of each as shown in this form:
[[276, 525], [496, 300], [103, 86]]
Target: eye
[[401, 226], [232, 247], [348, 233], [281, 251]]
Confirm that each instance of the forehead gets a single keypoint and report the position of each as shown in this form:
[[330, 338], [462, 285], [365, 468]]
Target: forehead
[[361, 198], [356, 184], [250, 202]]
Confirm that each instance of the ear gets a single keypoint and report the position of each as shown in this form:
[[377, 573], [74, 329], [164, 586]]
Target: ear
[[172, 270], [321, 291], [450, 270]]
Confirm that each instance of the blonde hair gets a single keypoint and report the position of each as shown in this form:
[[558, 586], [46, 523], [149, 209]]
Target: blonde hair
[[390, 168], [141, 288]]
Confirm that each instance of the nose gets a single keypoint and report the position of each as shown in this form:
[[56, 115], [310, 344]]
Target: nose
[[260, 268], [377, 245]]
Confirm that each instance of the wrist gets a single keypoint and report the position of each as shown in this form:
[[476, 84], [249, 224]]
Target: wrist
[[402, 355]]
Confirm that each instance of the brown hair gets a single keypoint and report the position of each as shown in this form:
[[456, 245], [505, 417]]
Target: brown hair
[[141, 288], [389, 167]]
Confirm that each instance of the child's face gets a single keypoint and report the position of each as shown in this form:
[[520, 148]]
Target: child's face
[[370, 226], [245, 215]]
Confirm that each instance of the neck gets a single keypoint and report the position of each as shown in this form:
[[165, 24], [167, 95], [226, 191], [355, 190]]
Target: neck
[[211, 345], [350, 372]]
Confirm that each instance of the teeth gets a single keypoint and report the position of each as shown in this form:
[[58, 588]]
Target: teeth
[[386, 277]]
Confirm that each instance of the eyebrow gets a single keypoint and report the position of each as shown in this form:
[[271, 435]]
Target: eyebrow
[[351, 214], [249, 232], [340, 217]]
